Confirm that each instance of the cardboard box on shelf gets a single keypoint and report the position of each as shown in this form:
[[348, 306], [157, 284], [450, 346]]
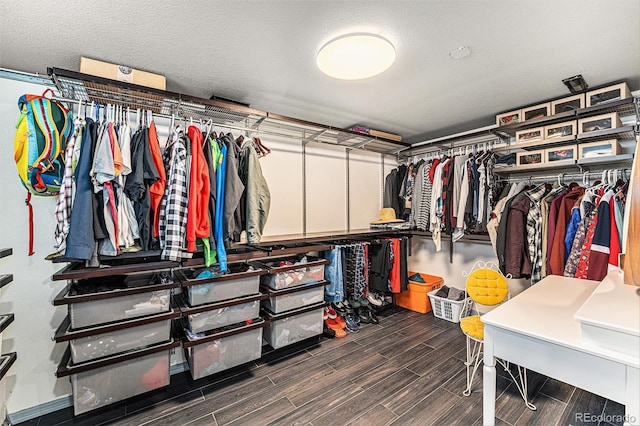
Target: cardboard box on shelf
[[122, 73]]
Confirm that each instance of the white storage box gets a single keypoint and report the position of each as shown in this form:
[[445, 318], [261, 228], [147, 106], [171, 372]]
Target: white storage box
[[239, 282], [447, 309], [294, 326], [97, 342], [221, 351], [288, 272], [135, 301], [109, 380], [293, 298], [216, 315]]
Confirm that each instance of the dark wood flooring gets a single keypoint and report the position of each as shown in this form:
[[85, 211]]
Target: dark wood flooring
[[406, 371]]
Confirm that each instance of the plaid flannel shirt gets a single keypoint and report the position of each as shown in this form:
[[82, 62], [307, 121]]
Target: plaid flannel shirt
[[174, 203], [67, 189], [534, 231]]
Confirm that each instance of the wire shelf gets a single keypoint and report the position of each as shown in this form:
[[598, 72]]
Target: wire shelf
[[87, 88]]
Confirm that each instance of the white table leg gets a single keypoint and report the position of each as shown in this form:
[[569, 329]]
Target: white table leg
[[632, 406], [488, 380]]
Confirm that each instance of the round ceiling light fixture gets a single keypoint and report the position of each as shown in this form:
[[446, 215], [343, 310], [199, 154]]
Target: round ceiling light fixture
[[460, 52], [356, 56]]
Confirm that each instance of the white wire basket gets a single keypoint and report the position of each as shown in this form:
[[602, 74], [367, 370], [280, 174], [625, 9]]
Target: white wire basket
[[448, 309]]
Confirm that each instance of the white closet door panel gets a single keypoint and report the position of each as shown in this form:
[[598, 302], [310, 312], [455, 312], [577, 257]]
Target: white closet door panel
[[326, 188], [283, 171], [365, 188]]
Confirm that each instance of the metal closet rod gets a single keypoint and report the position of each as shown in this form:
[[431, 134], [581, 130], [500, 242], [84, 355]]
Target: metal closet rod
[[560, 176], [248, 130], [434, 151]]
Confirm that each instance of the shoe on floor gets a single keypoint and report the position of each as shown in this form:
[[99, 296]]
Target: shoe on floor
[[337, 322], [352, 323], [342, 308], [366, 316], [374, 299], [328, 332], [329, 312], [337, 329]]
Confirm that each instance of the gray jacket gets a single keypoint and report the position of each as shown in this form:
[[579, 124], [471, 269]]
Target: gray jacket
[[258, 197]]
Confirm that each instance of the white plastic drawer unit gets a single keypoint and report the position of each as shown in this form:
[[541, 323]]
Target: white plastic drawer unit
[[287, 299], [201, 286], [294, 326], [223, 350], [101, 307], [216, 315], [290, 272], [106, 381], [92, 343]]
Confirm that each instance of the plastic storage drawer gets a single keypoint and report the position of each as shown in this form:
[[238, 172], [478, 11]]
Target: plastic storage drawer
[[280, 301], [294, 326], [87, 314], [282, 275], [240, 282], [100, 383], [221, 351], [91, 309], [216, 315], [96, 342]]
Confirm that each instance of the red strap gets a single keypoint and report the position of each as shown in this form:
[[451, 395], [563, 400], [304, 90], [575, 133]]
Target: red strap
[[27, 201], [44, 94]]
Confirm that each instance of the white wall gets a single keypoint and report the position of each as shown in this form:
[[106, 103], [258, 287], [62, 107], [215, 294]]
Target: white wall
[[365, 192], [326, 192], [31, 380]]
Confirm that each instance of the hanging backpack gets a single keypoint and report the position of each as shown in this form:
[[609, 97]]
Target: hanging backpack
[[42, 132]]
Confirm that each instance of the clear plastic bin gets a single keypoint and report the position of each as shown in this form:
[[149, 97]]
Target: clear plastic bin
[[239, 282], [213, 356], [113, 342], [86, 314], [288, 299], [122, 379], [282, 275], [294, 327], [216, 316]]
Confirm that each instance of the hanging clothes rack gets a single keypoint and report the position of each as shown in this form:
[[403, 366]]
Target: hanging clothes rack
[[83, 87], [562, 176]]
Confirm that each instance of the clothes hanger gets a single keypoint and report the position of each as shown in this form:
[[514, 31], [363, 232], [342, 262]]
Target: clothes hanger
[[264, 147]]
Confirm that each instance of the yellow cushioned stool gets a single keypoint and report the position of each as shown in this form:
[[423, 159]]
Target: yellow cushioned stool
[[486, 286]]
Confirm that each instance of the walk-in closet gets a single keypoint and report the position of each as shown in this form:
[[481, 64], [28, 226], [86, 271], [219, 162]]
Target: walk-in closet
[[320, 213]]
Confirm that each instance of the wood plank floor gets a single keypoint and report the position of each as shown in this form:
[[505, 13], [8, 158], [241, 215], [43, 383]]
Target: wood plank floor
[[406, 371]]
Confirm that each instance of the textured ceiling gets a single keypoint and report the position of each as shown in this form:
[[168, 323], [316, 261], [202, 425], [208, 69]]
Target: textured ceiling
[[263, 52]]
